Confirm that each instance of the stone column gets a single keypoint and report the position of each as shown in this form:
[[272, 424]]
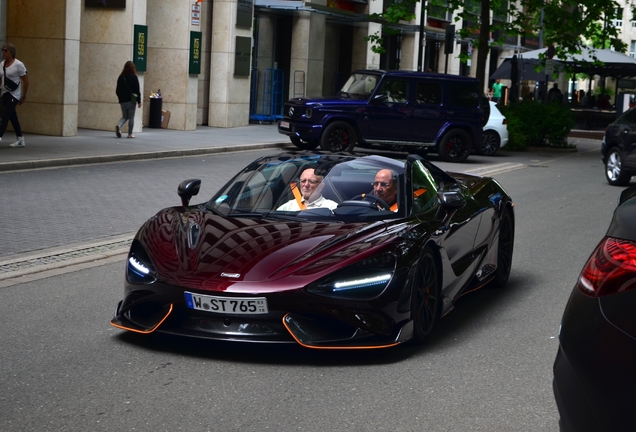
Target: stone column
[[46, 36], [229, 94], [265, 59], [363, 57], [308, 51], [169, 26]]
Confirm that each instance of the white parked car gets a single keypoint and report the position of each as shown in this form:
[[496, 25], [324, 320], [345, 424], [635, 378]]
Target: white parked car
[[495, 132]]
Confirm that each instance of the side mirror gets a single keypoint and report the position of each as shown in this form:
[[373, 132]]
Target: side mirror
[[451, 200], [187, 189], [378, 99]]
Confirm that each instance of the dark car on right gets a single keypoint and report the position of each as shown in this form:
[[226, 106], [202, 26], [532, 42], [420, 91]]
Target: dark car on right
[[618, 150], [595, 367]]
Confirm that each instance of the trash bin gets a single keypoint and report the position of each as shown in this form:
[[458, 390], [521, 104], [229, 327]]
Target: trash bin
[[154, 116]]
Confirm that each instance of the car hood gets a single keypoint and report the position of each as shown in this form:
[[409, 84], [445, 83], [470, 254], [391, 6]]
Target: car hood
[[202, 251]]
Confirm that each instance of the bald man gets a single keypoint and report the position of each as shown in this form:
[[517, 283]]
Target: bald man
[[385, 187], [310, 197]]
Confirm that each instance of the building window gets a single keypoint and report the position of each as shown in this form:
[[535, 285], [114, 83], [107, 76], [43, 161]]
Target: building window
[[617, 20], [501, 13], [441, 12], [632, 49]]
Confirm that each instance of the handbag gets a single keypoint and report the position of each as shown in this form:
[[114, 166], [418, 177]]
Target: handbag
[[9, 84], [134, 97]]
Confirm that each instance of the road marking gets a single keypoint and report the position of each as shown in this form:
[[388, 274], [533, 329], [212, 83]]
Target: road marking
[[491, 170]]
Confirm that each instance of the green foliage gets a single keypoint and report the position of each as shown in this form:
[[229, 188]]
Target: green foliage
[[605, 90], [536, 124]]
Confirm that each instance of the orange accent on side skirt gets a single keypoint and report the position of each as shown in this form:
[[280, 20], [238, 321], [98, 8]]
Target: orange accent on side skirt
[[143, 331], [392, 344]]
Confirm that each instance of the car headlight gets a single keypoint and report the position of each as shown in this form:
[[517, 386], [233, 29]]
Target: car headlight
[[309, 112], [363, 280], [139, 268]]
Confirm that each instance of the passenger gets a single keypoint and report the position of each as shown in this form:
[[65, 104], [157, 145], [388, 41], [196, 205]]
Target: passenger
[[309, 196], [385, 187]]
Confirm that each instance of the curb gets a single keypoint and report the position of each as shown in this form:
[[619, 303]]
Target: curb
[[85, 160]]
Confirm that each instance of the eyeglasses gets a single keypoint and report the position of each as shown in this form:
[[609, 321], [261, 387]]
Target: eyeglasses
[[383, 184], [313, 182], [4, 50]]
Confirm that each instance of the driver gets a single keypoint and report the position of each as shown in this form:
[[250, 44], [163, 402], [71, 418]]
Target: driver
[[385, 187], [309, 197]]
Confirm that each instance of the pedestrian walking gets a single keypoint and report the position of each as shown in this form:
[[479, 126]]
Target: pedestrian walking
[[128, 94], [495, 91], [554, 94], [15, 84]]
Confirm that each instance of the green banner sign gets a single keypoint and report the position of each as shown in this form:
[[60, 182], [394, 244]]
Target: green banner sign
[[195, 53], [242, 56], [140, 47]]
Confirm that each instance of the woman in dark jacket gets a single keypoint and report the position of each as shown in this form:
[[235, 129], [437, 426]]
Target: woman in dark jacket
[[127, 85]]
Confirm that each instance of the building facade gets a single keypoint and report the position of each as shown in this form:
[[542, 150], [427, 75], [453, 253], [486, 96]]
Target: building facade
[[250, 55]]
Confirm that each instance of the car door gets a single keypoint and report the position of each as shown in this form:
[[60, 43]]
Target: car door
[[624, 130], [459, 226], [389, 115], [428, 115]]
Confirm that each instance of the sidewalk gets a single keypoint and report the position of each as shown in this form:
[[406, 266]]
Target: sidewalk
[[94, 146]]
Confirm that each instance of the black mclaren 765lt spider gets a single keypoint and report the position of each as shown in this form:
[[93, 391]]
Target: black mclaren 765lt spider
[[306, 248]]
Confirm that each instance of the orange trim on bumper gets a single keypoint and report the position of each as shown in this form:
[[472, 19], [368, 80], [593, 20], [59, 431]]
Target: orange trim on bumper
[[148, 331], [392, 344]]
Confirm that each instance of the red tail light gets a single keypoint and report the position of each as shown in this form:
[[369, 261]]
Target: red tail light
[[611, 269]]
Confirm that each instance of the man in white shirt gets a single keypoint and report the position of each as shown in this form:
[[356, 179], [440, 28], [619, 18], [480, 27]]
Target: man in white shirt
[[309, 196]]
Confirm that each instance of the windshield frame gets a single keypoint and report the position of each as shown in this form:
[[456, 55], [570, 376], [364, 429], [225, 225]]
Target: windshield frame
[[265, 185]]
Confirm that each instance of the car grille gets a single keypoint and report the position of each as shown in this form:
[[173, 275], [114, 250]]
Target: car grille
[[292, 112]]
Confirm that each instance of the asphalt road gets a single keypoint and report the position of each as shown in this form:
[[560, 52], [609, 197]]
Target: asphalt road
[[487, 367]]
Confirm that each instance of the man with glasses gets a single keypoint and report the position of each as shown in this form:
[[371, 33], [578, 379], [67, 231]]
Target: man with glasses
[[309, 194], [385, 188]]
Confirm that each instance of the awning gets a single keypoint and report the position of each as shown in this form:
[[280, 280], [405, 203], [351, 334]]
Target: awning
[[615, 64], [525, 68]]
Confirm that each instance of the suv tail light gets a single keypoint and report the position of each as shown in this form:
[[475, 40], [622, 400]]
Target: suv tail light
[[611, 269]]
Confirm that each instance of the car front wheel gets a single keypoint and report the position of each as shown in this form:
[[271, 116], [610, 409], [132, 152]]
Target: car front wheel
[[338, 137], [505, 248], [491, 144], [455, 146], [614, 172], [426, 299]]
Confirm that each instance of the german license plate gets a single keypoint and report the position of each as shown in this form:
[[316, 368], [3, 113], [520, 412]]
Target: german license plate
[[226, 305], [284, 124]]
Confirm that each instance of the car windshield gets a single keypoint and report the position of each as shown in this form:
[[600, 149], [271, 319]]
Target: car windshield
[[359, 86], [318, 187]]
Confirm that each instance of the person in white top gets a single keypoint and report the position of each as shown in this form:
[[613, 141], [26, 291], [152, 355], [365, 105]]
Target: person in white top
[[309, 197], [15, 84]]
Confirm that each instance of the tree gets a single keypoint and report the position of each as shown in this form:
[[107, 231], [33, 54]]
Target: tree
[[567, 24]]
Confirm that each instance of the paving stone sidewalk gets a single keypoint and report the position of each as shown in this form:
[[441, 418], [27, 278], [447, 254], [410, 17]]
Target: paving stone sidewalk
[[93, 146]]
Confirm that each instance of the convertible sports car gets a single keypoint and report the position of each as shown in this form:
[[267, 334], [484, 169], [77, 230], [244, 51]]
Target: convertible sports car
[[362, 274]]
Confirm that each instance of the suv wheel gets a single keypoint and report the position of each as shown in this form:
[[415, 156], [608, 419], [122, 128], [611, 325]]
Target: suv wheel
[[614, 172], [338, 137], [491, 144], [303, 145], [455, 146]]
